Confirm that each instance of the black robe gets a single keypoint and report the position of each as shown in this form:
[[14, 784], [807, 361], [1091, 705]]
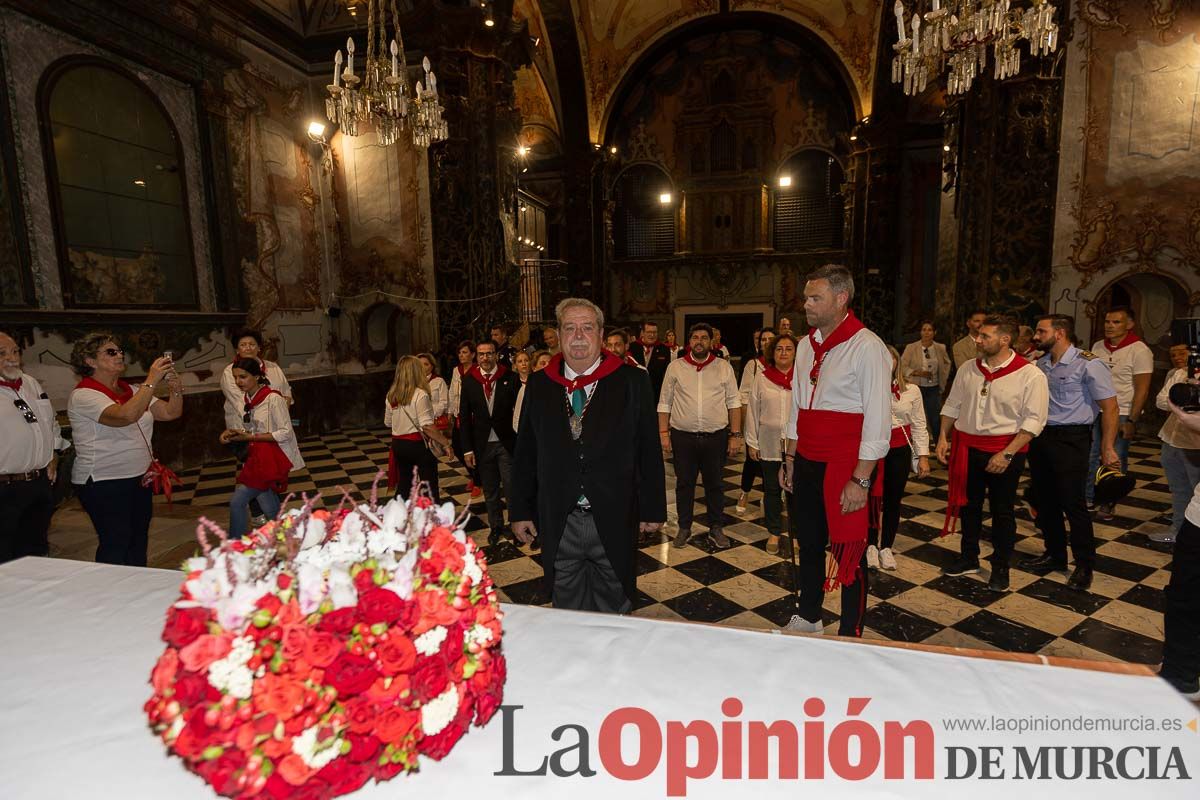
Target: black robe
[[617, 464], [655, 361]]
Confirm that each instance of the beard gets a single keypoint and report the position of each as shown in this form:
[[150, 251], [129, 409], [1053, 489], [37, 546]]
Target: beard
[[10, 373]]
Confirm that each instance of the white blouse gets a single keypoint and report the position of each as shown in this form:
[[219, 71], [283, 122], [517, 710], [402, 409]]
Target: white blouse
[[274, 417], [455, 392], [401, 418], [517, 407], [440, 396], [748, 375], [1172, 432], [235, 400], [767, 409], [910, 410], [107, 452]]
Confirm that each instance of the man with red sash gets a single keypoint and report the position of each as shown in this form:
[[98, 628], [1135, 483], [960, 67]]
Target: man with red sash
[[839, 427], [1132, 365], [588, 473], [997, 405], [617, 343], [489, 394]]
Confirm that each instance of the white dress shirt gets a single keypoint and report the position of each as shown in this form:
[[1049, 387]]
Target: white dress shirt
[[27, 446], [235, 400], [937, 363], [455, 392], [419, 410], [1172, 432], [767, 408], [273, 416], [856, 378], [910, 410], [439, 395], [1133, 359], [699, 401], [106, 452], [1017, 402]]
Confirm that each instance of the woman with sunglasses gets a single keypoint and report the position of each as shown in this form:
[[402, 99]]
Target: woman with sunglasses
[[249, 344], [266, 426], [112, 425], [926, 364]]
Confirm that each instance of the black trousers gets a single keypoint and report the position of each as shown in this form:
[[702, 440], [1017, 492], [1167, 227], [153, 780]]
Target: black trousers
[[1001, 492], [584, 578], [1058, 466], [699, 454], [495, 471], [750, 471], [26, 508], [120, 510], [811, 531], [772, 497], [456, 443], [414, 454], [896, 467], [1181, 617]]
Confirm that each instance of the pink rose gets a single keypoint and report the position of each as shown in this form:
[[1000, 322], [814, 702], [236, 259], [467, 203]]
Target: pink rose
[[204, 651], [164, 671]]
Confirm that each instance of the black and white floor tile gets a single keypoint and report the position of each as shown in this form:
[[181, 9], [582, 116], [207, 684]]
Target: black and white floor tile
[[1120, 618]]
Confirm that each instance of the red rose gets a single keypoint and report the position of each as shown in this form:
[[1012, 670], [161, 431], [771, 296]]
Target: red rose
[[277, 788], [205, 650], [313, 789], [321, 649], [164, 671], [269, 602], [361, 714], [362, 748], [410, 615], [430, 678], [295, 636], [350, 674], [184, 625], [435, 610], [195, 735], [394, 724], [344, 776], [364, 581], [379, 605], [452, 645], [221, 773], [436, 747], [388, 770], [340, 621], [190, 689], [279, 695], [396, 655]]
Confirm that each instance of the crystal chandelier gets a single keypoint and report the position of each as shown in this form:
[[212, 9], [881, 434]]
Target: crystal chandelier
[[957, 34], [381, 96]]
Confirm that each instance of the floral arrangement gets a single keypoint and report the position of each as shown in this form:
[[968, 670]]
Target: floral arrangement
[[327, 649]]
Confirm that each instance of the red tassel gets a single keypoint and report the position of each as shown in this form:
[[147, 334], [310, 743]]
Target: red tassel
[[843, 565]]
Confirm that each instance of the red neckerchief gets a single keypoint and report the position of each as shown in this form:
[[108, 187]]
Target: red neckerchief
[[1129, 339], [781, 379], [123, 394], [463, 369], [1013, 366], [1028, 354], [699, 365], [845, 329], [262, 394], [488, 383], [14, 385], [609, 363], [895, 390]]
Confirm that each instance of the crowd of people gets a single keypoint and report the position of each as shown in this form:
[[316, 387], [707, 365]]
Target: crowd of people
[[570, 436]]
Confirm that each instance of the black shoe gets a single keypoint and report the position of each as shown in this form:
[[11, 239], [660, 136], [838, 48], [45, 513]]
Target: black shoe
[[1081, 578], [785, 548], [962, 566], [681, 538], [1044, 564], [536, 544], [497, 535], [999, 579], [719, 539]]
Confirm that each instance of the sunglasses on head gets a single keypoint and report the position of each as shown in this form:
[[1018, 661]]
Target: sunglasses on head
[[25, 410]]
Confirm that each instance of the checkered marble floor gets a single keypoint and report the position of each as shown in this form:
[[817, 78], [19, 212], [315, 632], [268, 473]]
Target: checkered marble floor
[[1120, 618]]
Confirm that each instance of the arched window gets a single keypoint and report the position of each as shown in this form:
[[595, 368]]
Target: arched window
[[644, 219], [115, 173], [809, 209]]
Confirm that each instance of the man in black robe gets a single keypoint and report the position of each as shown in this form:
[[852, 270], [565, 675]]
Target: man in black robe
[[652, 354], [588, 467], [486, 403]]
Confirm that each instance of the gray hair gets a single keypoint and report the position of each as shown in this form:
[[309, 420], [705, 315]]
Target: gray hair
[[578, 302], [839, 278]]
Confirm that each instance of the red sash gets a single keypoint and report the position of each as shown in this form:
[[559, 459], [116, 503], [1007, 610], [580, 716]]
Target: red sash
[[1129, 339], [898, 440], [833, 437], [267, 466], [956, 494], [393, 468], [14, 385], [699, 365], [609, 363], [487, 383], [845, 329], [122, 396], [781, 379]]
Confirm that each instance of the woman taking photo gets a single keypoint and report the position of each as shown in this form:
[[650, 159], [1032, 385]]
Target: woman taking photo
[[466, 360], [910, 439], [272, 453], [409, 413], [112, 424], [249, 345], [769, 401]]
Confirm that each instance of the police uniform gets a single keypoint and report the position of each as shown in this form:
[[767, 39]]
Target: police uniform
[[1058, 459]]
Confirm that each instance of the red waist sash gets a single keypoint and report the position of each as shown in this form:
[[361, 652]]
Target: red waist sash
[[956, 493], [266, 467], [833, 437]]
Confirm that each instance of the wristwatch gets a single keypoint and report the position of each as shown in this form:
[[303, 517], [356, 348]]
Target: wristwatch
[[1007, 456], [863, 482]]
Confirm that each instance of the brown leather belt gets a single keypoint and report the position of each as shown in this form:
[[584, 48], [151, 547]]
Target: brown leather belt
[[20, 477]]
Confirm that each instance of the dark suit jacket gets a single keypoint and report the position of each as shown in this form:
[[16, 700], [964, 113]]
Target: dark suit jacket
[[655, 362], [477, 422], [617, 464]]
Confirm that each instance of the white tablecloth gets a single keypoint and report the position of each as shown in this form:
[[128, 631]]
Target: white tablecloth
[[78, 641]]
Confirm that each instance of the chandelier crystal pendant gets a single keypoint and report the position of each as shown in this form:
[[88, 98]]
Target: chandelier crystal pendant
[[956, 35], [381, 97]]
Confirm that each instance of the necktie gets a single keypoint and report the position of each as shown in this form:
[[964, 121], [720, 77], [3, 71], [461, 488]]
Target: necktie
[[578, 398]]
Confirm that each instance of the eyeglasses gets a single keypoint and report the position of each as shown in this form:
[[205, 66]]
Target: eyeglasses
[[25, 410], [114, 351]]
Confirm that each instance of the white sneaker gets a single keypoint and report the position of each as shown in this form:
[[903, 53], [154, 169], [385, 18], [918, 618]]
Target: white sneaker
[[886, 559], [741, 504], [872, 556], [800, 625]]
